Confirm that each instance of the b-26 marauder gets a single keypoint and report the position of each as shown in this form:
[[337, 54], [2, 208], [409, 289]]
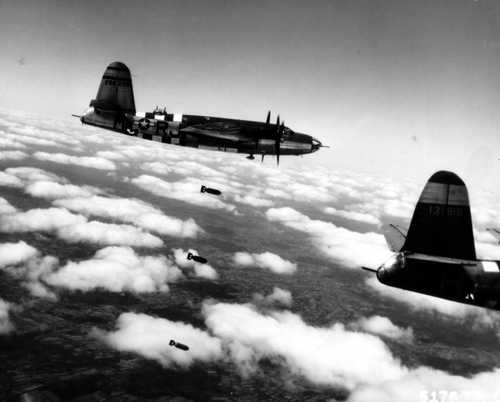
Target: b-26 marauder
[[437, 255], [114, 109]]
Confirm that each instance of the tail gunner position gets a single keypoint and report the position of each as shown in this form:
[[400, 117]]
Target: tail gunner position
[[114, 109]]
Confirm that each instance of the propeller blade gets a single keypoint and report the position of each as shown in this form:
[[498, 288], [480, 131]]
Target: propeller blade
[[268, 119], [262, 160], [277, 141]]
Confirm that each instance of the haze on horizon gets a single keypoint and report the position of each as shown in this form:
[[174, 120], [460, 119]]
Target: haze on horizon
[[397, 88]]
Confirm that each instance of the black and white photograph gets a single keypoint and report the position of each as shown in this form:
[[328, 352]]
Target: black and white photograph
[[270, 200]]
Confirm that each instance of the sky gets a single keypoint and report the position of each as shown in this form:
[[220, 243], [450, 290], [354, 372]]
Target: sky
[[397, 88]]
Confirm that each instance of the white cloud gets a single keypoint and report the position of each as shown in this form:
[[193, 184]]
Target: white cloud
[[278, 296], [384, 327], [24, 262], [9, 180], [31, 174], [108, 234], [353, 249], [150, 337], [323, 355], [253, 201], [86, 161], [53, 190], [156, 167], [355, 216], [75, 228], [38, 219], [6, 325], [13, 155], [133, 211], [423, 383], [266, 260], [117, 269], [200, 270], [6, 207], [16, 253]]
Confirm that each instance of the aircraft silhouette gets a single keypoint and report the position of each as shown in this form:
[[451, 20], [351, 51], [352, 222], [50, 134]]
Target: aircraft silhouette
[[437, 255], [114, 109]]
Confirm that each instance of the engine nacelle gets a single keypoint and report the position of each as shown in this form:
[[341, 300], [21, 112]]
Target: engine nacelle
[[389, 272]]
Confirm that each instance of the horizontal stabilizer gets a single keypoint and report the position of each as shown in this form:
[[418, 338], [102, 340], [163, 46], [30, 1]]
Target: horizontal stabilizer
[[395, 236], [495, 232], [438, 259]]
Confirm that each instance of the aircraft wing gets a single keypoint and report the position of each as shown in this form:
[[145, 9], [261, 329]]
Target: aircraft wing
[[495, 232], [226, 131], [395, 236]]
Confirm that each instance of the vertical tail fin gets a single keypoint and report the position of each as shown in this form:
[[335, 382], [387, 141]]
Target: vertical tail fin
[[442, 223], [115, 93]]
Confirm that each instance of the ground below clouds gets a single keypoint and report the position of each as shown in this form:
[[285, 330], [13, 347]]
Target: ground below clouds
[[297, 277]]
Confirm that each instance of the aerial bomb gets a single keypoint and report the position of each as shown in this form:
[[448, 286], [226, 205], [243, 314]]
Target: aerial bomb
[[178, 345], [197, 258], [209, 190]]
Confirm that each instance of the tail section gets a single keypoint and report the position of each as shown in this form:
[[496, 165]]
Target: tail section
[[115, 93], [442, 223]]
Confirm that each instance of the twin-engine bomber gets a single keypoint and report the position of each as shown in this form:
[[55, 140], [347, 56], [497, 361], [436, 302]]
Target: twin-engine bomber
[[437, 255], [114, 109]]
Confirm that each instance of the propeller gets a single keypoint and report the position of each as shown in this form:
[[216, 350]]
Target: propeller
[[277, 139]]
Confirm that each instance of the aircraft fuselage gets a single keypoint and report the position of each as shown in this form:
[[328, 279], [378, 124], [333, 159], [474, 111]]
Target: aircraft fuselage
[[473, 282], [205, 132]]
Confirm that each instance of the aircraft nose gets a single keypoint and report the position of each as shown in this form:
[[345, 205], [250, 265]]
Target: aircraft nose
[[316, 144]]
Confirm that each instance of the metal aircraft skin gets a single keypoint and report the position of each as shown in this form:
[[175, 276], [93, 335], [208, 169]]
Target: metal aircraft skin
[[114, 109], [437, 256]]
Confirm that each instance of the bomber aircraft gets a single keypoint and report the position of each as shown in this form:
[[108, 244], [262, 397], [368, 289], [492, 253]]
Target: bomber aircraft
[[114, 109], [437, 256]]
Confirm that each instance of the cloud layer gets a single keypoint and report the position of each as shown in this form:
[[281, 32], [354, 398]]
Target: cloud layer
[[266, 260]]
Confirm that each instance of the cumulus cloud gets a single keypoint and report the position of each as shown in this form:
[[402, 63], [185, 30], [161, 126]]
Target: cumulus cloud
[[353, 249], [384, 327], [186, 190], [9, 180], [277, 296], [30, 174], [116, 269], [253, 201], [75, 228], [16, 253], [39, 219], [85, 161], [322, 355], [150, 337], [6, 325], [266, 260], [54, 190], [6, 207], [108, 234], [205, 271], [132, 211], [13, 155], [355, 216], [24, 262]]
